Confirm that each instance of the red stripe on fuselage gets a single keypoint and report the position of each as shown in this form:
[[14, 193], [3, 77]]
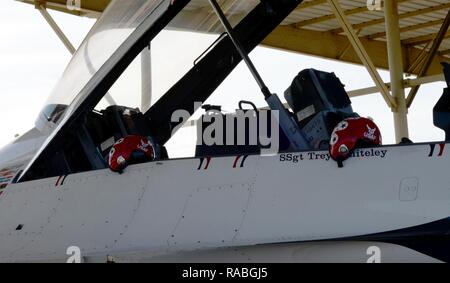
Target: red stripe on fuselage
[[236, 161], [57, 182], [442, 146], [208, 160]]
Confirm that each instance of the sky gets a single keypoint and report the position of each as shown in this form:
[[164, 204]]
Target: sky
[[32, 59]]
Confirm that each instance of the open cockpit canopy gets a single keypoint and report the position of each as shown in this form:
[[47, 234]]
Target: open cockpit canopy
[[122, 32]]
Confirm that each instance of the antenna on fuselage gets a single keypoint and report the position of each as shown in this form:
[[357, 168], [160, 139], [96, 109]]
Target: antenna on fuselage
[[290, 127]]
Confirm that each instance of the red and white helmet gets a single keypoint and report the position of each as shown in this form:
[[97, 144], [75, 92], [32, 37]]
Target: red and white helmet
[[351, 132], [123, 151]]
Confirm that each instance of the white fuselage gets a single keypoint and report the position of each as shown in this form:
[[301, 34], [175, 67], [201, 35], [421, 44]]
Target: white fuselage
[[181, 206]]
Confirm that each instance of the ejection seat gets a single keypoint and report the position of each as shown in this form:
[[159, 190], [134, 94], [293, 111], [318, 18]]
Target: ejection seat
[[441, 111], [125, 121], [236, 147], [319, 102]]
